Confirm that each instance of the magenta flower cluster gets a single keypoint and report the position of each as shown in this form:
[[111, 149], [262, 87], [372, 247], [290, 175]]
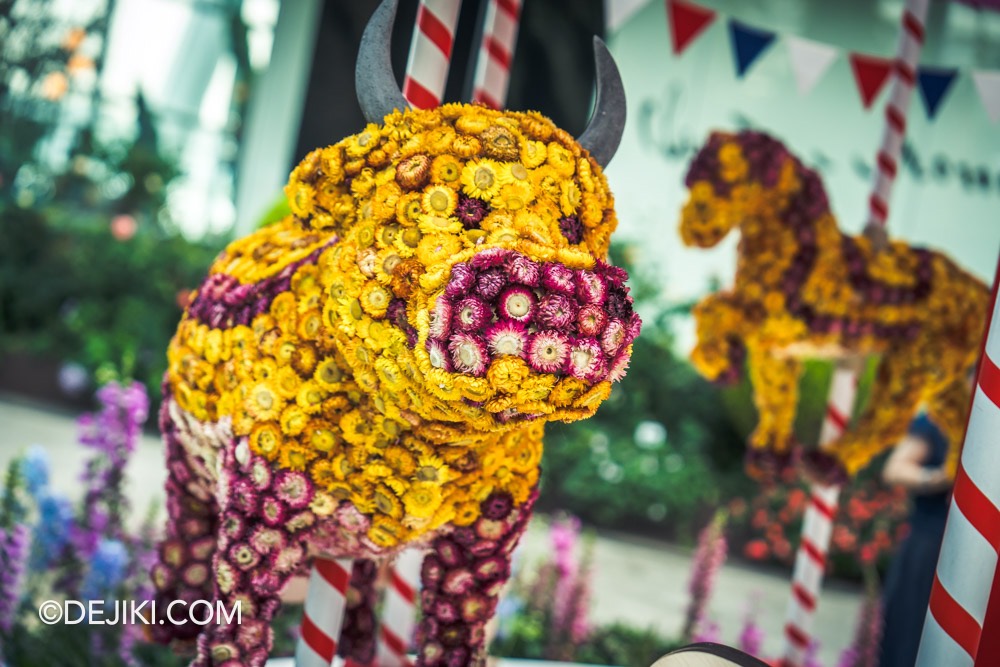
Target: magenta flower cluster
[[576, 322], [223, 301]]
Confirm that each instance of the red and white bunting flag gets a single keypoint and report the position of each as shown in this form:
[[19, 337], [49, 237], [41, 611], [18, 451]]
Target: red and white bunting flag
[[810, 61], [687, 21], [871, 74], [618, 12], [988, 87]]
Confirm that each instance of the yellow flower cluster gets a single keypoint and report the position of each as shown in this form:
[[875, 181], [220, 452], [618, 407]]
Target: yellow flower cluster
[[804, 289], [313, 341]]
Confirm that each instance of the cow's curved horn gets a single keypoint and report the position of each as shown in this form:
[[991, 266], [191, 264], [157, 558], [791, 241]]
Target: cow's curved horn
[[378, 93], [604, 132]]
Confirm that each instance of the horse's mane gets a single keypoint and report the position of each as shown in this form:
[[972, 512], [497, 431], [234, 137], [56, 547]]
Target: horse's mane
[[765, 157]]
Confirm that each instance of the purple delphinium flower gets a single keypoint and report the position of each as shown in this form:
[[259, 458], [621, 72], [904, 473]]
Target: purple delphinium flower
[[812, 656], [752, 635], [14, 543], [35, 470], [106, 570], [113, 433], [864, 650], [565, 534], [706, 630], [706, 562], [52, 531]]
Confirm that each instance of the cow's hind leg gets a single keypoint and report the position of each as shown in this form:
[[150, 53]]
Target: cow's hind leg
[[357, 636], [183, 571], [461, 580]]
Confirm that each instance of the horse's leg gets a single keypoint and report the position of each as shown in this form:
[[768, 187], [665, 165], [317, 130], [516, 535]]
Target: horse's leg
[[720, 351], [776, 394], [462, 578], [894, 398], [357, 635], [253, 563], [948, 408], [183, 570]]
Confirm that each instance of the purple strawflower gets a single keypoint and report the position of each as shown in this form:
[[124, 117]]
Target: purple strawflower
[[547, 351], [706, 562], [571, 228], [586, 361], [507, 337], [517, 303], [590, 287], [14, 548], [523, 270], [556, 311], [558, 278], [468, 354], [462, 278], [471, 211], [490, 283], [440, 318], [471, 314]]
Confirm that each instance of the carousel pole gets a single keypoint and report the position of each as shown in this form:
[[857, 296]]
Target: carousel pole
[[430, 52], [963, 617], [817, 526], [399, 610], [496, 52], [324, 612], [816, 529]]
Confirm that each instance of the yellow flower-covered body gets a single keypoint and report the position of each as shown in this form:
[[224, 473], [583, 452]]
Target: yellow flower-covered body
[[804, 289], [402, 337]]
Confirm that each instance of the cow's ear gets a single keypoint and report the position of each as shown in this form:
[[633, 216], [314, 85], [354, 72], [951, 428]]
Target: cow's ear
[[374, 82]]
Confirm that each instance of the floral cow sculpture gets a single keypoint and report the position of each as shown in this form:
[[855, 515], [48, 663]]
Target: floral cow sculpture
[[804, 289], [373, 373]]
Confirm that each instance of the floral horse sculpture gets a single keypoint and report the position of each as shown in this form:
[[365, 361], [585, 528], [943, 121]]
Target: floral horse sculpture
[[804, 289], [374, 372]]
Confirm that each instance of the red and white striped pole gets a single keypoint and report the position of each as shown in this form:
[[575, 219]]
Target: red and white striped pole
[[496, 52], [430, 52], [398, 619], [817, 527], [324, 612], [911, 38], [963, 604]]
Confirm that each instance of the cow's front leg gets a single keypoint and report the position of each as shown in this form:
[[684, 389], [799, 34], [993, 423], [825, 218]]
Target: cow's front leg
[[357, 636], [182, 573], [462, 578], [263, 536]]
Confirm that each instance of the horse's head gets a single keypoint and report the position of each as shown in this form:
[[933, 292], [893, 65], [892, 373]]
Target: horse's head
[[732, 175], [469, 282]]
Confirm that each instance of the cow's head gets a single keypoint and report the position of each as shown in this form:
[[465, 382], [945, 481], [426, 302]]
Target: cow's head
[[469, 282]]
